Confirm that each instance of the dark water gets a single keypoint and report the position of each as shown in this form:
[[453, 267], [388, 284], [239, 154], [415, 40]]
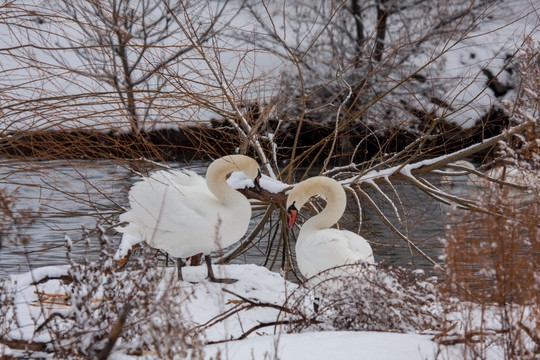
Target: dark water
[[66, 197]]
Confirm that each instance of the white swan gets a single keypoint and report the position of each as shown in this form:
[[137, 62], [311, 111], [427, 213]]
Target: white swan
[[458, 169], [181, 213], [527, 182], [319, 248], [512, 175]]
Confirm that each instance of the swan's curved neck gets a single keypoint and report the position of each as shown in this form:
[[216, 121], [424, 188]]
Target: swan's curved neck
[[217, 182], [336, 201]]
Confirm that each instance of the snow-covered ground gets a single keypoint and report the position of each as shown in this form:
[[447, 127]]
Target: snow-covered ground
[[330, 345], [207, 301], [228, 319]]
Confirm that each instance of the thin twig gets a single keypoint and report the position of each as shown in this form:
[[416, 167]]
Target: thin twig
[[115, 333]]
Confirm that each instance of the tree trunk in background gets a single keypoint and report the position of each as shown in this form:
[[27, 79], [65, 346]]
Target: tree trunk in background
[[356, 12], [382, 16]]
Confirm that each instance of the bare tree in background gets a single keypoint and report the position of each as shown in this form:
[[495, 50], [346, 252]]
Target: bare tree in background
[[133, 46], [378, 65]]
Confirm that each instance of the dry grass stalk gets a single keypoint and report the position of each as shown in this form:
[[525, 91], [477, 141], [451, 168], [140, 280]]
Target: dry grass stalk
[[493, 265]]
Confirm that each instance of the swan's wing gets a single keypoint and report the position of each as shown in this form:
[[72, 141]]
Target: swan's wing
[[359, 246], [176, 212], [169, 200], [183, 178], [325, 249], [173, 211]]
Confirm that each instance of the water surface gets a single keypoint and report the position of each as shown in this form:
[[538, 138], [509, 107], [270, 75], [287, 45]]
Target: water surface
[[67, 198]]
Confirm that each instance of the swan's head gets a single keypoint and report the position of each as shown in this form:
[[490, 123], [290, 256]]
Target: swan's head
[[326, 187], [298, 196], [253, 172]]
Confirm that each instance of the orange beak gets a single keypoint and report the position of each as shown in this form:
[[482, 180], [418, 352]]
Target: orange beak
[[292, 212]]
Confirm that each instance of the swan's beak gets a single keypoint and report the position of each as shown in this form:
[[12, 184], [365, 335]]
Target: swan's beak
[[257, 183], [292, 212]]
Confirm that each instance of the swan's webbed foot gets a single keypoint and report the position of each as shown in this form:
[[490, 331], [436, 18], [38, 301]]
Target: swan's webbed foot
[[211, 275]]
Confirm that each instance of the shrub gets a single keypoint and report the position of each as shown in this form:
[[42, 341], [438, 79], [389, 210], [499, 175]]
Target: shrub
[[374, 298]]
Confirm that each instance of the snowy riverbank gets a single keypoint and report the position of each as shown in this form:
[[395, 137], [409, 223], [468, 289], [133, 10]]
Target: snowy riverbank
[[228, 318]]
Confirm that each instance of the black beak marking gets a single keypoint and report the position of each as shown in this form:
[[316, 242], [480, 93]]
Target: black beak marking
[[257, 183]]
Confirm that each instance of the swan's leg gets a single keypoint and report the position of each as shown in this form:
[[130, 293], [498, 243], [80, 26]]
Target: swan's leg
[[179, 266], [211, 275], [316, 303]]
